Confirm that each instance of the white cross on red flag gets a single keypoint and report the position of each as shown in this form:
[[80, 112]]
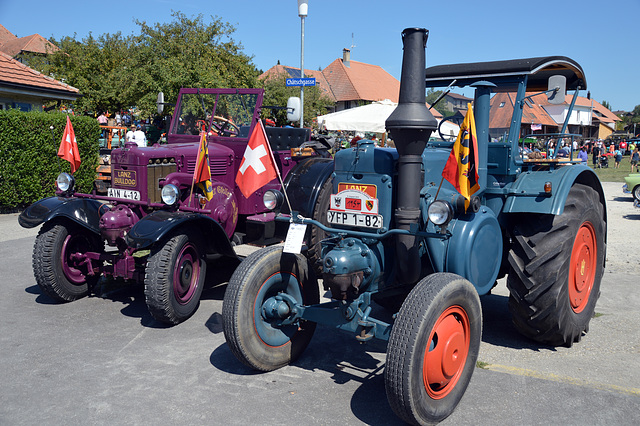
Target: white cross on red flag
[[258, 166], [69, 147]]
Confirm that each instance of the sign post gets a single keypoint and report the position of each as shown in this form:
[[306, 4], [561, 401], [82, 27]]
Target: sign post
[[292, 82]]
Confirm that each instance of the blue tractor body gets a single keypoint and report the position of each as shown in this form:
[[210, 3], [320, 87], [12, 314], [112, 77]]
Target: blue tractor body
[[387, 228]]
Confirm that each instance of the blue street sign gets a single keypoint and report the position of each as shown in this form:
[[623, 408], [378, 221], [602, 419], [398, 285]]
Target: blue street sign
[[301, 82]]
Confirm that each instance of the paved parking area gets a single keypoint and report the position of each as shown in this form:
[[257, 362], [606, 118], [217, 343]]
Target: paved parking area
[[104, 360]]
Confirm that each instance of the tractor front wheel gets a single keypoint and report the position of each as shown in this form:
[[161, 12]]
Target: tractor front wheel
[[556, 265], [174, 277], [259, 304], [433, 348], [59, 264]]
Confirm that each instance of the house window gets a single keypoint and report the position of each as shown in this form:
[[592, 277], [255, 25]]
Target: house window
[[22, 106]]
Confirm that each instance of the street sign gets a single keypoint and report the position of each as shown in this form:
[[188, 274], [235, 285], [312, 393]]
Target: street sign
[[301, 82]]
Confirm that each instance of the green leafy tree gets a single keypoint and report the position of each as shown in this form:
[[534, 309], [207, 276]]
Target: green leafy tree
[[432, 96], [187, 52], [115, 72], [606, 104]]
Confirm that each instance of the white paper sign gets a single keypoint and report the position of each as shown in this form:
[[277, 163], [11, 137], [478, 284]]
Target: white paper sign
[[295, 235]]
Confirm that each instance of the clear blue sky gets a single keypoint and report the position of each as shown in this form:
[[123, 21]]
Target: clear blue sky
[[601, 36]]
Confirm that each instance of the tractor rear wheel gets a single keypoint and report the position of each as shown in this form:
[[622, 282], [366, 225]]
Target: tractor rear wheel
[[258, 304], [556, 265], [59, 266], [317, 234], [174, 277], [433, 348]]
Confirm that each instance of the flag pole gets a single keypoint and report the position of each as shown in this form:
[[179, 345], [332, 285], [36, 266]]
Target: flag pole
[[264, 132], [193, 179]]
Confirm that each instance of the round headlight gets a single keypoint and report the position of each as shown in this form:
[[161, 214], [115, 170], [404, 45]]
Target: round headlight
[[170, 194], [440, 212], [272, 199], [65, 182]]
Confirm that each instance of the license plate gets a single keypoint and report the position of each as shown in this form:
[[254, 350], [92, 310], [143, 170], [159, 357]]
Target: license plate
[[355, 219], [127, 194]]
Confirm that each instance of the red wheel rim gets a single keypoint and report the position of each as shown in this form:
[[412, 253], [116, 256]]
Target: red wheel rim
[[583, 267], [446, 353]]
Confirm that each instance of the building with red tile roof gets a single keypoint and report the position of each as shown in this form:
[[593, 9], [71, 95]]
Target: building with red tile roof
[[14, 46], [589, 118], [27, 89], [348, 83]]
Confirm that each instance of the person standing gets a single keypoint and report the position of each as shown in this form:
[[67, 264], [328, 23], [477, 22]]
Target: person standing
[[635, 159], [102, 119], [595, 152], [618, 158], [129, 135], [139, 137], [583, 156]]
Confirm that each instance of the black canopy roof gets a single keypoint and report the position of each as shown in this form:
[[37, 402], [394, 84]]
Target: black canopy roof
[[503, 72]]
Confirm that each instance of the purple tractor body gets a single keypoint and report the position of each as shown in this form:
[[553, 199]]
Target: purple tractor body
[[153, 226]]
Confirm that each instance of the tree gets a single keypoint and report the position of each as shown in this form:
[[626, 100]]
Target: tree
[[441, 107], [187, 52], [114, 72], [606, 104]]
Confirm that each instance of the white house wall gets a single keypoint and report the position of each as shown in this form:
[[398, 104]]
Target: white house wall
[[579, 116]]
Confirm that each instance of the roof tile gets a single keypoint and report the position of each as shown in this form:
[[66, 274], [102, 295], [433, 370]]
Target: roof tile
[[12, 71]]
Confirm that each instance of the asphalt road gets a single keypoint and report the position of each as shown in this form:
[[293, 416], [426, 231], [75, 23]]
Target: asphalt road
[[104, 360]]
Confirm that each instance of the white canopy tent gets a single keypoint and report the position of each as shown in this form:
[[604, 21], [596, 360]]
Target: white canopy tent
[[370, 118]]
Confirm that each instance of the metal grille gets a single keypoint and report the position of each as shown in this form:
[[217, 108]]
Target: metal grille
[[155, 172], [218, 166]]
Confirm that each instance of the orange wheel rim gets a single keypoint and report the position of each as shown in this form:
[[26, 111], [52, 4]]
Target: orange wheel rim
[[583, 267], [446, 353]]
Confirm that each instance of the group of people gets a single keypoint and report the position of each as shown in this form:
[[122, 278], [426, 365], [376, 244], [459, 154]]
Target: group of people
[[600, 154], [136, 135]]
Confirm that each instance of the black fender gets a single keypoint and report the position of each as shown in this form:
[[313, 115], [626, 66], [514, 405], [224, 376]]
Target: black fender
[[155, 226], [83, 211], [303, 184]]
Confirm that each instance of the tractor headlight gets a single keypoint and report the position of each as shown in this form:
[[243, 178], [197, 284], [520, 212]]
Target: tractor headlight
[[170, 194], [272, 199], [440, 212], [65, 182]]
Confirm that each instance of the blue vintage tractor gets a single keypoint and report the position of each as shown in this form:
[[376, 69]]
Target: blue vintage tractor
[[386, 229]]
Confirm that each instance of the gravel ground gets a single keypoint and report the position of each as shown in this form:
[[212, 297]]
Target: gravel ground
[[623, 234]]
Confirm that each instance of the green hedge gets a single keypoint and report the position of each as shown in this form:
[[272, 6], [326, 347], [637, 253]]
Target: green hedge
[[29, 163]]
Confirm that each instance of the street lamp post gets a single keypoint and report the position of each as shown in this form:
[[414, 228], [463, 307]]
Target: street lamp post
[[303, 7]]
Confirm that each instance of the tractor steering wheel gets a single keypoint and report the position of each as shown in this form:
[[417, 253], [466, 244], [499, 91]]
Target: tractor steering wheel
[[450, 118], [220, 125]]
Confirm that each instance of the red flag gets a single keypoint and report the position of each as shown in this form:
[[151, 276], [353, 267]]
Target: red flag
[[69, 147], [258, 166], [202, 172], [461, 169]]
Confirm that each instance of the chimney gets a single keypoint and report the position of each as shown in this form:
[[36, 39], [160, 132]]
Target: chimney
[[346, 57]]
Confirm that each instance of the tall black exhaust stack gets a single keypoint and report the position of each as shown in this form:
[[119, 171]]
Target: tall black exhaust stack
[[410, 125]]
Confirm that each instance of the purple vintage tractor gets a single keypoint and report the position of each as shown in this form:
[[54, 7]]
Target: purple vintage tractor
[[153, 227]]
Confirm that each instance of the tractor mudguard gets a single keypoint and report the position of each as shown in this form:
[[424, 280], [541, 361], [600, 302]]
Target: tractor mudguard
[[83, 211], [153, 227], [474, 244], [303, 184], [527, 193]]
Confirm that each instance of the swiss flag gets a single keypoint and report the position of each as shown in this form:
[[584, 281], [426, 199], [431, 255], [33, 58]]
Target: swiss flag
[[258, 166], [69, 147]]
